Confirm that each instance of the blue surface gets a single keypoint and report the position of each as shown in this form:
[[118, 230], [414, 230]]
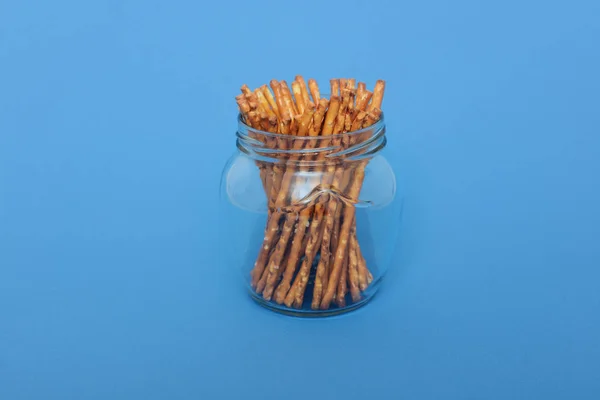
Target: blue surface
[[115, 120]]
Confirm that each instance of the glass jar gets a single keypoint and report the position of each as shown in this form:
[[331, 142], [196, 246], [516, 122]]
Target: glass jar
[[311, 222]]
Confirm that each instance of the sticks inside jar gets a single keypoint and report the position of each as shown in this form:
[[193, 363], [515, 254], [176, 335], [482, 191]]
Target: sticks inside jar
[[314, 234]]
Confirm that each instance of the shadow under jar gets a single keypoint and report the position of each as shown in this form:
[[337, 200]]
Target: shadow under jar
[[311, 221]]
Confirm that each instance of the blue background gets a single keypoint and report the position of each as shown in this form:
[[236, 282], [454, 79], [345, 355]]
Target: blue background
[[116, 118]]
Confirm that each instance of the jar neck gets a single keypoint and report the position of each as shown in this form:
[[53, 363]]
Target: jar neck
[[345, 147]]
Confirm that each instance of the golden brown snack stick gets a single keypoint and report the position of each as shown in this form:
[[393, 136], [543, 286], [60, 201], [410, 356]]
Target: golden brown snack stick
[[341, 253], [285, 292], [303, 89], [269, 96], [353, 282], [358, 121], [323, 266], [362, 100], [342, 286], [264, 103], [314, 90], [287, 98], [292, 261], [305, 120], [359, 91], [245, 89], [328, 216], [300, 239], [377, 95], [278, 195], [318, 117], [347, 224], [350, 111], [244, 107], [372, 117], [250, 118], [254, 118], [252, 101], [334, 238], [265, 125], [274, 268], [276, 86], [343, 82], [330, 117], [341, 116], [298, 97], [335, 88], [362, 270], [291, 106], [330, 229], [286, 121], [296, 292]]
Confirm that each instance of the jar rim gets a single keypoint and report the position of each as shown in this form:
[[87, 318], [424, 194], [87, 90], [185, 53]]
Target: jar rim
[[376, 126]]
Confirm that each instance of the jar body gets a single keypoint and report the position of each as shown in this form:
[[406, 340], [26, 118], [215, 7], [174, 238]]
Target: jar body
[[310, 233]]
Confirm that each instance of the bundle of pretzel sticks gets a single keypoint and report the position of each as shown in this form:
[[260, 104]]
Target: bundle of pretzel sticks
[[323, 231]]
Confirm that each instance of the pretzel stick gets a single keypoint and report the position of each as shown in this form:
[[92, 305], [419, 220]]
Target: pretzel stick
[[269, 96], [287, 98], [245, 89], [349, 214], [323, 265], [252, 122], [341, 290], [340, 253], [339, 122], [362, 100], [350, 114], [269, 124], [342, 83], [273, 219], [274, 270], [252, 101], [303, 89], [266, 281], [314, 90], [357, 124], [290, 105], [350, 111], [353, 281], [298, 96], [279, 191], [362, 87], [362, 269], [363, 272], [335, 87], [377, 95], [300, 240], [342, 287], [329, 242], [296, 292], [334, 239], [243, 106]]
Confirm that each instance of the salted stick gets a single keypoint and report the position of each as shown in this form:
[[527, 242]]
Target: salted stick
[[300, 240], [345, 229], [274, 269], [296, 293]]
